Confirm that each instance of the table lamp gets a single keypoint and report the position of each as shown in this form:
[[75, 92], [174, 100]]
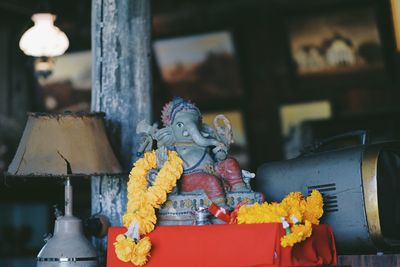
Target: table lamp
[[65, 145]]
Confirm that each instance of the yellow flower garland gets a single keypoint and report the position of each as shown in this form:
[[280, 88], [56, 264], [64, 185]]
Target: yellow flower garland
[[143, 200], [299, 233], [307, 212]]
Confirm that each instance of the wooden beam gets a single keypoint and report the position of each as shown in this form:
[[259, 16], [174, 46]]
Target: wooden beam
[[121, 69], [122, 89]]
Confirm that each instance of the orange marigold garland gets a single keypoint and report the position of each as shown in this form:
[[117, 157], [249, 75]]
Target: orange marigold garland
[[295, 210], [140, 217]]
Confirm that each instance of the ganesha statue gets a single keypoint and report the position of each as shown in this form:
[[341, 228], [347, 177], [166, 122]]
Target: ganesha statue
[[210, 175]]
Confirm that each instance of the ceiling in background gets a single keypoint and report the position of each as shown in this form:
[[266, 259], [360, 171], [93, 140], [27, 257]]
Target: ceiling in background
[[74, 16]]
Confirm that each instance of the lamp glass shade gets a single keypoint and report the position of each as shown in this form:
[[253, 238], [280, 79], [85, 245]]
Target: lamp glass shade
[[64, 145], [44, 39]]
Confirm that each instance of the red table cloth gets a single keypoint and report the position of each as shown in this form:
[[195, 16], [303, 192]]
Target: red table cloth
[[230, 245]]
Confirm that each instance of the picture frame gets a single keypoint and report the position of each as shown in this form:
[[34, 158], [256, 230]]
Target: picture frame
[[69, 85], [335, 42], [293, 115], [201, 67], [395, 10]]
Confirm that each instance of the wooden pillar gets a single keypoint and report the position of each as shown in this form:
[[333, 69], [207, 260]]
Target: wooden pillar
[[122, 89]]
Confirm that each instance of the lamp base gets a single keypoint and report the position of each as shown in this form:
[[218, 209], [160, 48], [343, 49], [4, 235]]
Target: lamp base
[[68, 247]]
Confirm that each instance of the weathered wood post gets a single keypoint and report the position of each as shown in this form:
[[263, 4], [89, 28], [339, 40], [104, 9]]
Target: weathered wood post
[[121, 88]]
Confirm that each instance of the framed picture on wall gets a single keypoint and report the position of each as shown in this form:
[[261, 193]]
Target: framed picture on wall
[[292, 116], [239, 149], [335, 42], [395, 8], [70, 84], [199, 67]]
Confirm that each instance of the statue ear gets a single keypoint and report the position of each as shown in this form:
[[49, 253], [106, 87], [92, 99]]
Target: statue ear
[[165, 137]]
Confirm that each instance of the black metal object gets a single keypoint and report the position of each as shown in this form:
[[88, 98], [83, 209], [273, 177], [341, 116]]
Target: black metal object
[[358, 137], [360, 185]]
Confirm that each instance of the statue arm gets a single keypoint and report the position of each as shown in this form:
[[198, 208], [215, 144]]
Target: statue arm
[[164, 137], [146, 131]]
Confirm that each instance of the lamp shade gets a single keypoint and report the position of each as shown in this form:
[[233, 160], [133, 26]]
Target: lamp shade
[[64, 145], [44, 39]]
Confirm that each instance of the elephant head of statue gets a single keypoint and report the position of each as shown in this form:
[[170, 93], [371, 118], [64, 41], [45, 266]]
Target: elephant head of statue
[[182, 123]]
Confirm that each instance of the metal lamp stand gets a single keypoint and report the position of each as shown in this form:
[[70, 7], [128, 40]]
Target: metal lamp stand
[[68, 246]]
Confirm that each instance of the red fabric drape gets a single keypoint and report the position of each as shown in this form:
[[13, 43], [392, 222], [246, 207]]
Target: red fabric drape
[[230, 245]]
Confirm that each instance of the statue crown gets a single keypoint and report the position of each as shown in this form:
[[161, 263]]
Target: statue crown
[[178, 104]]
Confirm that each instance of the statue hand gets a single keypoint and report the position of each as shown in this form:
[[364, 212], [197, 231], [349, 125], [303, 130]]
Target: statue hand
[[164, 137], [223, 129], [146, 143], [220, 151], [162, 156]]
